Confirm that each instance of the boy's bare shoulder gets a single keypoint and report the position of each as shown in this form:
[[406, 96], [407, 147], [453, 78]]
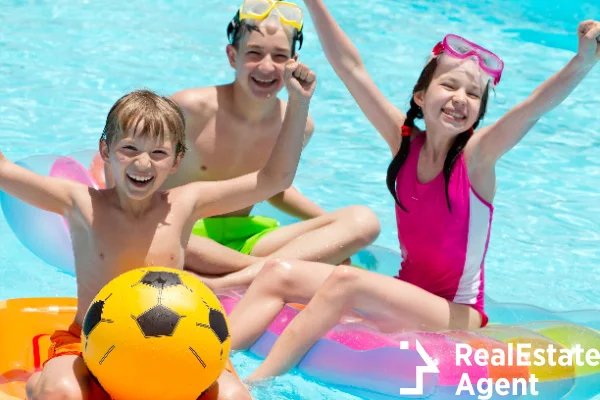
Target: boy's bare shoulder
[[199, 102], [205, 101], [94, 197], [310, 124], [89, 201]]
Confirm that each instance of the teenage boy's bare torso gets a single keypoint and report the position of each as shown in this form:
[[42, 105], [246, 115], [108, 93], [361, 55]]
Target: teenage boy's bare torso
[[220, 144], [108, 242]]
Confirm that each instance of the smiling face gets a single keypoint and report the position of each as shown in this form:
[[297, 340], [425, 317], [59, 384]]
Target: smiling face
[[260, 58], [452, 102], [140, 164], [143, 142]]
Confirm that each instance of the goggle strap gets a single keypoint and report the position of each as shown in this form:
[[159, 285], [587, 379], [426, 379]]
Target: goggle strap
[[438, 48], [233, 26], [299, 38]]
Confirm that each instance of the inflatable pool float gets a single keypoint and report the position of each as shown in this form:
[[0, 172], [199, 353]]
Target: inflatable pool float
[[50, 240], [25, 337], [373, 365], [352, 356]]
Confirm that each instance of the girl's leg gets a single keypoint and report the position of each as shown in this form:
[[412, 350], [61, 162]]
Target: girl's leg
[[228, 387], [64, 378], [391, 304], [204, 256], [235, 280], [244, 278], [278, 283]]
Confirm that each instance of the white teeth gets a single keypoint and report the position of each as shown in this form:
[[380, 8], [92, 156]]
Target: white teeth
[[455, 115], [263, 80], [139, 178]]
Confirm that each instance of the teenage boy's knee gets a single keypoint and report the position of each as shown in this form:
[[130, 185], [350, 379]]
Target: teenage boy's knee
[[364, 223]]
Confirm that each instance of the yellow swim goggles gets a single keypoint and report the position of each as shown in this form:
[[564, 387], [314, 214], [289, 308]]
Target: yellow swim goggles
[[289, 13]]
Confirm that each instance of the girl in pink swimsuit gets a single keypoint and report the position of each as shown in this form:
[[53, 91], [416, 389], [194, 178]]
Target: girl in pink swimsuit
[[443, 182]]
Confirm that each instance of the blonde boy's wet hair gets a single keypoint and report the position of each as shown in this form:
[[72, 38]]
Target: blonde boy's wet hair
[[147, 114]]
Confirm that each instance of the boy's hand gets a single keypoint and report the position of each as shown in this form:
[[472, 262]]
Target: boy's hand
[[589, 41], [299, 80]]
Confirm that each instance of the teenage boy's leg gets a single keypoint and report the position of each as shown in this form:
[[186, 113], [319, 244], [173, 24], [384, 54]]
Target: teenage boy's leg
[[204, 256], [330, 238]]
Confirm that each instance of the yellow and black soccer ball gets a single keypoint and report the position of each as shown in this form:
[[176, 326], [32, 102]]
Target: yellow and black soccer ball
[[155, 333]]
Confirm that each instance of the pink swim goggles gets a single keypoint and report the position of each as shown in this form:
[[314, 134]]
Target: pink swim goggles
[[461, 48]]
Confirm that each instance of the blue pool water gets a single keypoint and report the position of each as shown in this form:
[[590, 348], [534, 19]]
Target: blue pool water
[[64, 62]]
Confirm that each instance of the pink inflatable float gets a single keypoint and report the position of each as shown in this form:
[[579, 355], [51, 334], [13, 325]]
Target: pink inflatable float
[[43, 233], [448, 364]]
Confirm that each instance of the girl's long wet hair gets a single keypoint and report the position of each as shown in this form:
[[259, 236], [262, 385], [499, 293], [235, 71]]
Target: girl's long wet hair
[[415, 112]]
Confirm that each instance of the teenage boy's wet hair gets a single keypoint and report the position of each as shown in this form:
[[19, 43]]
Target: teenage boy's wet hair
[[236, 30]]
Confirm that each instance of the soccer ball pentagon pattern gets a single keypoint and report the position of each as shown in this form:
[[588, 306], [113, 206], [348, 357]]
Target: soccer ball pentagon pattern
[[155, 333]]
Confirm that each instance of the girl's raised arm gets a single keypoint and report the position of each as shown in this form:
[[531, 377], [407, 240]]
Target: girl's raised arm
[[494, 141], [349, 67]]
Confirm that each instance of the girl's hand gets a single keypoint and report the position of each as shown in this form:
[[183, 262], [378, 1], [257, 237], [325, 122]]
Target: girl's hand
[[589, 41]]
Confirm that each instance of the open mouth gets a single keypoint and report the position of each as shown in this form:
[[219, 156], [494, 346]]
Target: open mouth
[[453, 114], [264, 83], [140, 181]]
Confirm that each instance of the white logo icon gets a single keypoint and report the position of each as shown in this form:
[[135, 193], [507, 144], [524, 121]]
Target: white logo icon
[[421, 369]]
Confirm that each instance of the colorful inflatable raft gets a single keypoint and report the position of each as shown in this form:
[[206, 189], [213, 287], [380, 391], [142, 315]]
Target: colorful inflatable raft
[[361, 361]]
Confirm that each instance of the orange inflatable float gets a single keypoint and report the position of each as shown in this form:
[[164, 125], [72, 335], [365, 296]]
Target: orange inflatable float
[[24, 345]]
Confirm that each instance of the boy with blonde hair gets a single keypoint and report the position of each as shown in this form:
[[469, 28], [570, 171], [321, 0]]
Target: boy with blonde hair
[[135, 224]]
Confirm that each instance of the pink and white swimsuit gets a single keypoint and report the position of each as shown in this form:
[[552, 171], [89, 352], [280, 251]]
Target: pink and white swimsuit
[[443, 252]]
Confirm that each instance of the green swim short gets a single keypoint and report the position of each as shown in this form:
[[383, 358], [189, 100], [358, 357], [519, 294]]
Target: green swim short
[[237, 233]]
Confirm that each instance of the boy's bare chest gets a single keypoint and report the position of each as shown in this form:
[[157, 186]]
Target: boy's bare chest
[[111, 244], [226, 151], [125, 244]]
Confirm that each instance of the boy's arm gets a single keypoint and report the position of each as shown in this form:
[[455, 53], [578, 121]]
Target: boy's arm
[[494, 141], [50, 194], [349, 67], [220, 197], [294, 203], [291, 201]]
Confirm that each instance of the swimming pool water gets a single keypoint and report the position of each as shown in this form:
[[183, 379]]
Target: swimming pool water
[[63, 63]]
